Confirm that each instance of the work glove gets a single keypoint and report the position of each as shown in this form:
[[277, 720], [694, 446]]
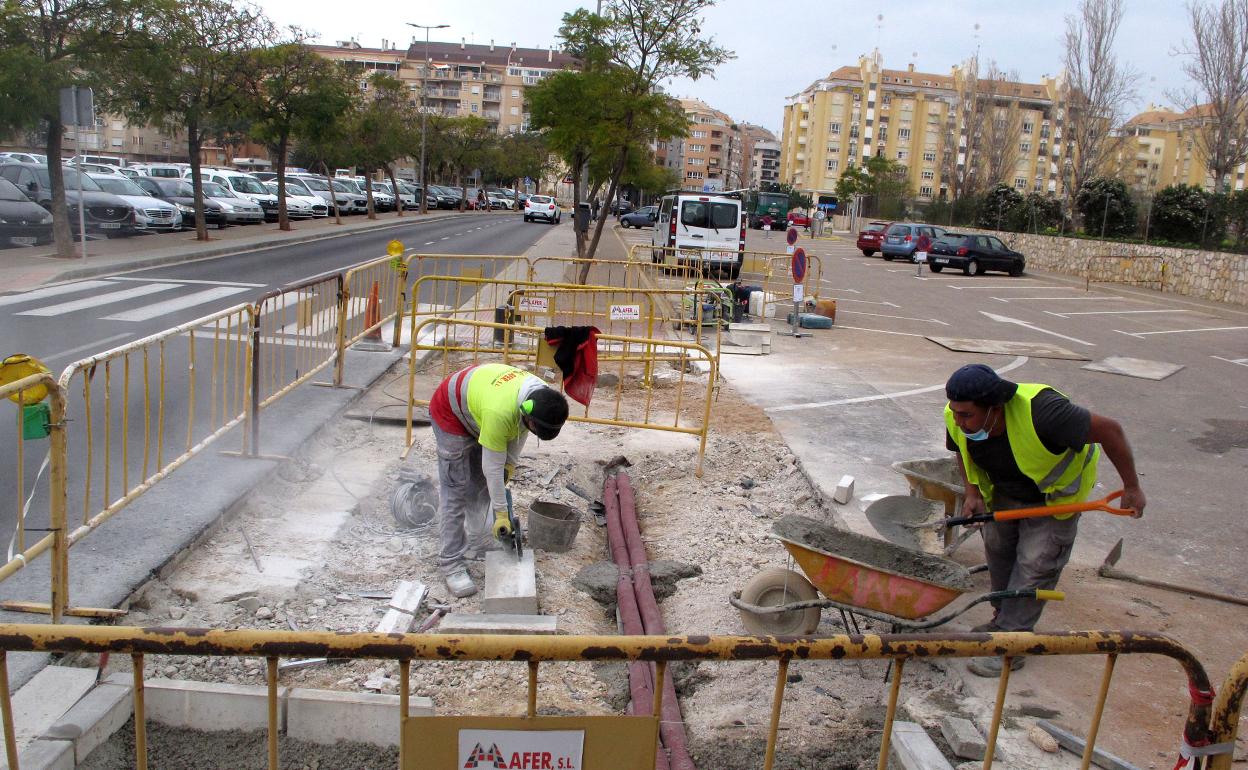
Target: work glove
[[509, 472], [502, 524]]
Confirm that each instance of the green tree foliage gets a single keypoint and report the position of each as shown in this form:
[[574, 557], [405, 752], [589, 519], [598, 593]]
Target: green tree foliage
[[291, 89], [47, 45], [466, 144], [380, 131], [996, 209], [1237, 217], [1106, 204], [1179, 213], [515, 157], [189, 70]]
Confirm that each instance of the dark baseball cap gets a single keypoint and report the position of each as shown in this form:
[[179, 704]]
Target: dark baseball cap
[[978, 382]]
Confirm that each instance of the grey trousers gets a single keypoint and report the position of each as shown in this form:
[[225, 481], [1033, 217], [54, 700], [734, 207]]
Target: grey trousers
[[1028, 553], [463, 498]]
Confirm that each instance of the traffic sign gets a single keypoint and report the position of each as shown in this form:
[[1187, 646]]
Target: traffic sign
[[799, 265], [791, 236]]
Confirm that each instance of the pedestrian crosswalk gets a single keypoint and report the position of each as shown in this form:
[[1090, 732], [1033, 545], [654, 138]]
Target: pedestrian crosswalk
[[127, 300]]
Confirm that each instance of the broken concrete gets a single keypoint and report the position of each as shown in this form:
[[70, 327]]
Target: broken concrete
[[963, 737], [914, 749], [599, 579]]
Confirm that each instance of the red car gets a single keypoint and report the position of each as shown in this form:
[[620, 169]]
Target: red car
[[871, 237], [798, 219]]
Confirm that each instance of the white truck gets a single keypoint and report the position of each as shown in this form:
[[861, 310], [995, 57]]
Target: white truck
[[700, 228]]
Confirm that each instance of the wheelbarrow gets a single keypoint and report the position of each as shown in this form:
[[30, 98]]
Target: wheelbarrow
[[936, 479], [857, 575]]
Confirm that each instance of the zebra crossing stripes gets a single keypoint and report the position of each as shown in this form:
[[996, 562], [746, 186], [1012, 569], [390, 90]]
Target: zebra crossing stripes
[[148, 312], [97, 300]]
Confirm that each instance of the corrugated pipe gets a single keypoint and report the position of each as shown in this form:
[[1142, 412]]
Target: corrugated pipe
[[672, 723], [640, 674]]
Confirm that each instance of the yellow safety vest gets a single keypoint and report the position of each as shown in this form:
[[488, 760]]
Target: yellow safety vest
[[1062, 478], [486, 399]]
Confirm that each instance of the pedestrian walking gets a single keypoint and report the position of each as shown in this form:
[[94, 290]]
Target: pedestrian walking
[[1024, 445], [482, 201]]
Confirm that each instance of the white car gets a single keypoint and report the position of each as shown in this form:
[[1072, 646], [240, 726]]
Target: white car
[[150, 214], [237, 210], [499, 202], [408, 198], [26, 157], [382, 201], [542, 207], [317, 186], [299, 205], [357, 201], [243, 186]]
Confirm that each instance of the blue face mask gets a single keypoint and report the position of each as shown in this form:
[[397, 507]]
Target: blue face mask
[[980, 434]]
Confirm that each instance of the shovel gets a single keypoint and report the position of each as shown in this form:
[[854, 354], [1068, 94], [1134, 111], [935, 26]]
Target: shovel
[[1108, 570], [1047, 510]]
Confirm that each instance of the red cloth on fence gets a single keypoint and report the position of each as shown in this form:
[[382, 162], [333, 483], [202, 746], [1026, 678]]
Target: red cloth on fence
[[576, 353]]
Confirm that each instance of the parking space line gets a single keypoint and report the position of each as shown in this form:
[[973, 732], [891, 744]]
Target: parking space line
[[1097, 298], [1236, 361], [968, 288], [1184, 331], [867, 301], [898, 317], [1112, 312]]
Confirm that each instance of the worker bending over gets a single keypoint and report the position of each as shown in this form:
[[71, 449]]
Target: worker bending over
[[481, 417], [1024, 445]]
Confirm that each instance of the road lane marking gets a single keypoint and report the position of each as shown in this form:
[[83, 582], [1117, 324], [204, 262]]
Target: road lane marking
[[51, 291], [1236, 361], [149, 312], [1011, 366], [98, 345], [1111, 312], [898, 317], [430, 243], [1184, 331], [189, 280], [446, 238], [100, 299], [967, 288], [1018, 322], [866, 301], [1050, 299]]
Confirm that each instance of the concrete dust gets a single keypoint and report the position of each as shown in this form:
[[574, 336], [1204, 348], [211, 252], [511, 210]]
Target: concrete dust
[[323, 532]]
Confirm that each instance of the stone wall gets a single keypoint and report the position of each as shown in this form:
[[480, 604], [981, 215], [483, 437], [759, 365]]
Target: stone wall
[[1212, 275]]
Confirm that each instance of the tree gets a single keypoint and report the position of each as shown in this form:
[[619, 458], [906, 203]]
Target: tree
[[1217, 64], [518, 156], [189, 71], [467, 142], [47, 45], [886, 187], [997, 207], [1036, 213], [643, 44], [1097, 92], [1237, 217], [996, 142], [290, 88], [1179, 213], [962, 121], [381, 132], [1106, 206]]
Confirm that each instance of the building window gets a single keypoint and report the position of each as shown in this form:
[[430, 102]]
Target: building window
[[883, 133], [693, 175], [515, 93], [928, 175], [1028, 127], [697, 148], [515, 110], [833, 164], [925, 191], [474, 107], [1020, 183], [834, 128], [695, 161], [1024, 147], [930, 157], [887, 101], [699, 134], [857, 97], [903, 134], [902, 155], [834, 149]]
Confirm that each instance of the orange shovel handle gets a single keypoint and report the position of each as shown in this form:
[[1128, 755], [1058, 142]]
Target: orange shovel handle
[[1056, 510]]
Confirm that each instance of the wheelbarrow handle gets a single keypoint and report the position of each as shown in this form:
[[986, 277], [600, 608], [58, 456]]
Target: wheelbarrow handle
[[1047, 510]]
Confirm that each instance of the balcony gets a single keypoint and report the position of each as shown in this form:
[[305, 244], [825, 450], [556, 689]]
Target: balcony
[[491, 114], [493, 95]]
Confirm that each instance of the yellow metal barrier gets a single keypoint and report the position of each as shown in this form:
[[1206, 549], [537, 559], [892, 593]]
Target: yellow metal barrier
[[295, 333], [1224, 722], [631, 273], [357, 316], [660, 651], [1132, 270], [461, 344], [130, 384], [21, 391]]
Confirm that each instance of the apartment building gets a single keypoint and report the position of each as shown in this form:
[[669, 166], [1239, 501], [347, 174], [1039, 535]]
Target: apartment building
[[760, 153], [920, 120], [711, 155], [458, 79], [1163, 149]]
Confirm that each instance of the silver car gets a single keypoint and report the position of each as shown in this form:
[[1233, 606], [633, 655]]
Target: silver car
[[237, 210]]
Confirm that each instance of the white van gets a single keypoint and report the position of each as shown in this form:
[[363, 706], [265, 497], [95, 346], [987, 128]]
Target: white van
[[242, 185], [705, 228], [101, 160]]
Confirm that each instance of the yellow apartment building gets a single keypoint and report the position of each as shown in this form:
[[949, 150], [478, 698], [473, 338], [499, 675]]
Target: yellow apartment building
[[916, 119], [1162, 149]]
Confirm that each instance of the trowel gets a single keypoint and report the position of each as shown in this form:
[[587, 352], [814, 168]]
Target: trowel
[[1108, 570]]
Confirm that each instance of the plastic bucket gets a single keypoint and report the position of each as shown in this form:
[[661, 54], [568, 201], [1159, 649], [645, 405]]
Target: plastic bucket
[[552, 526]]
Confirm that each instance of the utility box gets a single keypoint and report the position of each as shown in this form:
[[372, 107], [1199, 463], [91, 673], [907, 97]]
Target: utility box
[[582, 217]]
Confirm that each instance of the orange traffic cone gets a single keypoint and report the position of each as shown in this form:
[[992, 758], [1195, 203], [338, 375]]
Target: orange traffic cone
[[372, 315]]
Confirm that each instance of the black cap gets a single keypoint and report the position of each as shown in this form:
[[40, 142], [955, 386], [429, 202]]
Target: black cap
[[978, 382]]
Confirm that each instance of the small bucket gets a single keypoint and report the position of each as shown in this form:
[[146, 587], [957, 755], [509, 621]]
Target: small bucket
[[552, 526]]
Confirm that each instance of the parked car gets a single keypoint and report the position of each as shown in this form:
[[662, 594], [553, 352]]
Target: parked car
[[22, 221], [243, 186], [542, 207], [237, 209], [871, 237], [166, 170], [25, 157], [97, 168], [642, 217], [798, 219], [264, 176], [357, 201], [621, 207], [406, 196], [180, 193], [150, 214], [902, 239], [500, 203], [297, 187], [318, 186], [447, 197], [301, 205], [104, 213], [973, 254]]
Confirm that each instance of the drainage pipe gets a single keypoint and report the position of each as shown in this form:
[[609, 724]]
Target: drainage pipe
[[671, 724]]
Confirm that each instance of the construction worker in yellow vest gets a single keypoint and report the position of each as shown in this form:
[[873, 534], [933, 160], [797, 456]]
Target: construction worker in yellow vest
[[1024, 445], [481, 417]]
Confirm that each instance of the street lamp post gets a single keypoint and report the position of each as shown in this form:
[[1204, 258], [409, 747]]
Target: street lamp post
[[424, 83]]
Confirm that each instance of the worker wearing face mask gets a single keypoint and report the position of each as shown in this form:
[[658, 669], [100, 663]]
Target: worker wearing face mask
[[1025, 445]]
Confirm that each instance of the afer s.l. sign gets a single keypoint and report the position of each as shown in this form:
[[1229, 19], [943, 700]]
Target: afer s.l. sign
[[521, 749], [625, 312]]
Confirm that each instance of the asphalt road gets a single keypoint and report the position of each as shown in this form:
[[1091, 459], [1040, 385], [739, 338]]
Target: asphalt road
[[67, 322]]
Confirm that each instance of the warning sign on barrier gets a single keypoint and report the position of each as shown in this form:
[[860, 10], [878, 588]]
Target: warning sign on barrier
[[534, 305], [539, 743], [626, 312]]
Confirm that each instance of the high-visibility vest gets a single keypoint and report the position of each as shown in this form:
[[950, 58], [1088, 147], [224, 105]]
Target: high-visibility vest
[[486, 399], [1062, 478]]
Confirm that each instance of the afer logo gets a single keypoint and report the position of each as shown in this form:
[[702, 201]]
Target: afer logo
[[521, 749]]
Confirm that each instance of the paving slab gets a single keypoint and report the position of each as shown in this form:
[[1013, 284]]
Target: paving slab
[[963, 737], [913, 749], [493, 623], [1008, 348], [94, 719], [331, 716], [47, 696], [510, 584], [1134, 367]]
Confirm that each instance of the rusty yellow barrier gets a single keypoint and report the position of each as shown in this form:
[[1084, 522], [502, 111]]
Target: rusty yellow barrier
[[533, 651], [464, 342], [1224, 722], [357, 318]]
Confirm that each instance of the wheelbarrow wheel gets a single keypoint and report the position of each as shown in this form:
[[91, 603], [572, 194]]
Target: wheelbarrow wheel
[[773, 587]]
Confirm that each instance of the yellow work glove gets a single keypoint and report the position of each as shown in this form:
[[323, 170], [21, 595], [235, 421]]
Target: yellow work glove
[[502, 524], [509, 472]]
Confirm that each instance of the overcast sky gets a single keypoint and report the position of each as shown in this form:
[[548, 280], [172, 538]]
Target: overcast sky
[[780, 54]]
